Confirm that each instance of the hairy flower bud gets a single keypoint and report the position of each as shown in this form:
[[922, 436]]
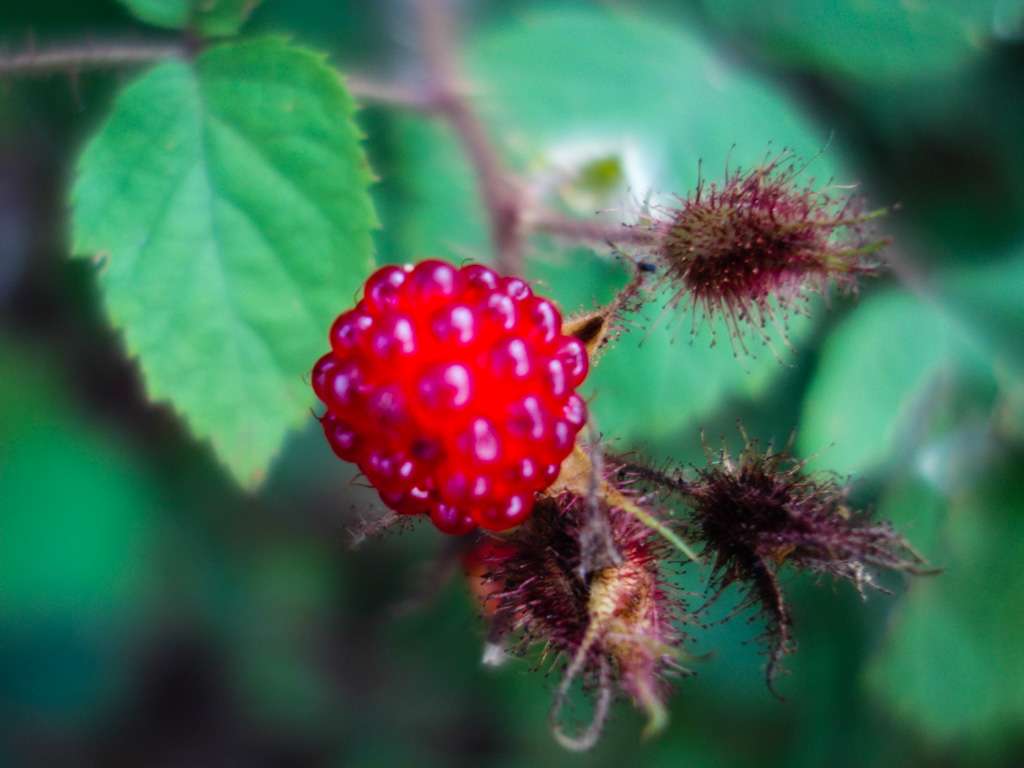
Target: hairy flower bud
[[761, 241]]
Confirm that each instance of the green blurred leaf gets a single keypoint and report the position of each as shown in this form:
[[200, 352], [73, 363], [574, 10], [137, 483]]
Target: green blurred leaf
[[596, 89], [287, 591], [873, 369], [987, 299], [228, 205], [79, 544], [876, 368], [954, 657], [863, 39], [987, 302], [917, 509], [79, 535], [77, 529], [1008, 19], [210, 17]]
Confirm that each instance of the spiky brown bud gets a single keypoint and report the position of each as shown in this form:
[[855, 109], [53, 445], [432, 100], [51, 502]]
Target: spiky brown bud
[[762, 242], [761, 511]]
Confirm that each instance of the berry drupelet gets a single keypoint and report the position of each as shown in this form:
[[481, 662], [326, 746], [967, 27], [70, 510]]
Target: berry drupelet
[[454, 391]]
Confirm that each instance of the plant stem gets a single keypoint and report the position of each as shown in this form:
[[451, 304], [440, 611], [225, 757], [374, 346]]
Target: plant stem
[[497, 187], [73, 58], [595, 231]]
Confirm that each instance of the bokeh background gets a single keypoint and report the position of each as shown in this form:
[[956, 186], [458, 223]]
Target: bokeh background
[[152, 613]]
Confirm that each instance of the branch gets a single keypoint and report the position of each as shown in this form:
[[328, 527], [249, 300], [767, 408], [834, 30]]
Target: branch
[[76, 57], [592, 231], [390, 94], [497, 187], [115, 54]]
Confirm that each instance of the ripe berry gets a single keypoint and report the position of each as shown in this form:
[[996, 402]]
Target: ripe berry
[[454, 391]]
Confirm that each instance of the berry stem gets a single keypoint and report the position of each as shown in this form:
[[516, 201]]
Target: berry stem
[[575, 478]]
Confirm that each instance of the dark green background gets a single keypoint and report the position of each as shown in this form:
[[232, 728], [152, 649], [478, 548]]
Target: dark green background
[[153, 614]]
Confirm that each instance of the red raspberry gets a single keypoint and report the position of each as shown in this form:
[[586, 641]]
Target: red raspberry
[[454, 390]]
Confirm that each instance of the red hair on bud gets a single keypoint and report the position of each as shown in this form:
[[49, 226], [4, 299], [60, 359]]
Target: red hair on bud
[[761, 511], [761, 241]]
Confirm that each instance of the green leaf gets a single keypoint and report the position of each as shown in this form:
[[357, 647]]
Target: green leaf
[[862, 39], [640, 103], [227, 203], [986, 300], [874, 368], [210, 17], [877, 368], [953, 661]]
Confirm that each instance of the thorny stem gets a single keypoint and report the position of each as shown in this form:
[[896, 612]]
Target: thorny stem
[[657, 478]]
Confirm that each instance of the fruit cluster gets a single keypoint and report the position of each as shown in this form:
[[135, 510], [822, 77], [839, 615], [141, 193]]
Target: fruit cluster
[[453, 390]]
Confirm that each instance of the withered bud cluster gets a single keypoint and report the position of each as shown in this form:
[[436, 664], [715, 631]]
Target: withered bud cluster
[[761, 242], [761, 511], [614, 628]]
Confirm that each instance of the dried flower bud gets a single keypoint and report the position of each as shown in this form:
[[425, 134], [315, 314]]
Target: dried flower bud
[[762, 237], [614, 629], [761, 511]]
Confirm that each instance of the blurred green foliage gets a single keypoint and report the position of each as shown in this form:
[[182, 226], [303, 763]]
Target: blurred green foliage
[[864, 39], [152, 612], [210, 17], [954, 659]]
